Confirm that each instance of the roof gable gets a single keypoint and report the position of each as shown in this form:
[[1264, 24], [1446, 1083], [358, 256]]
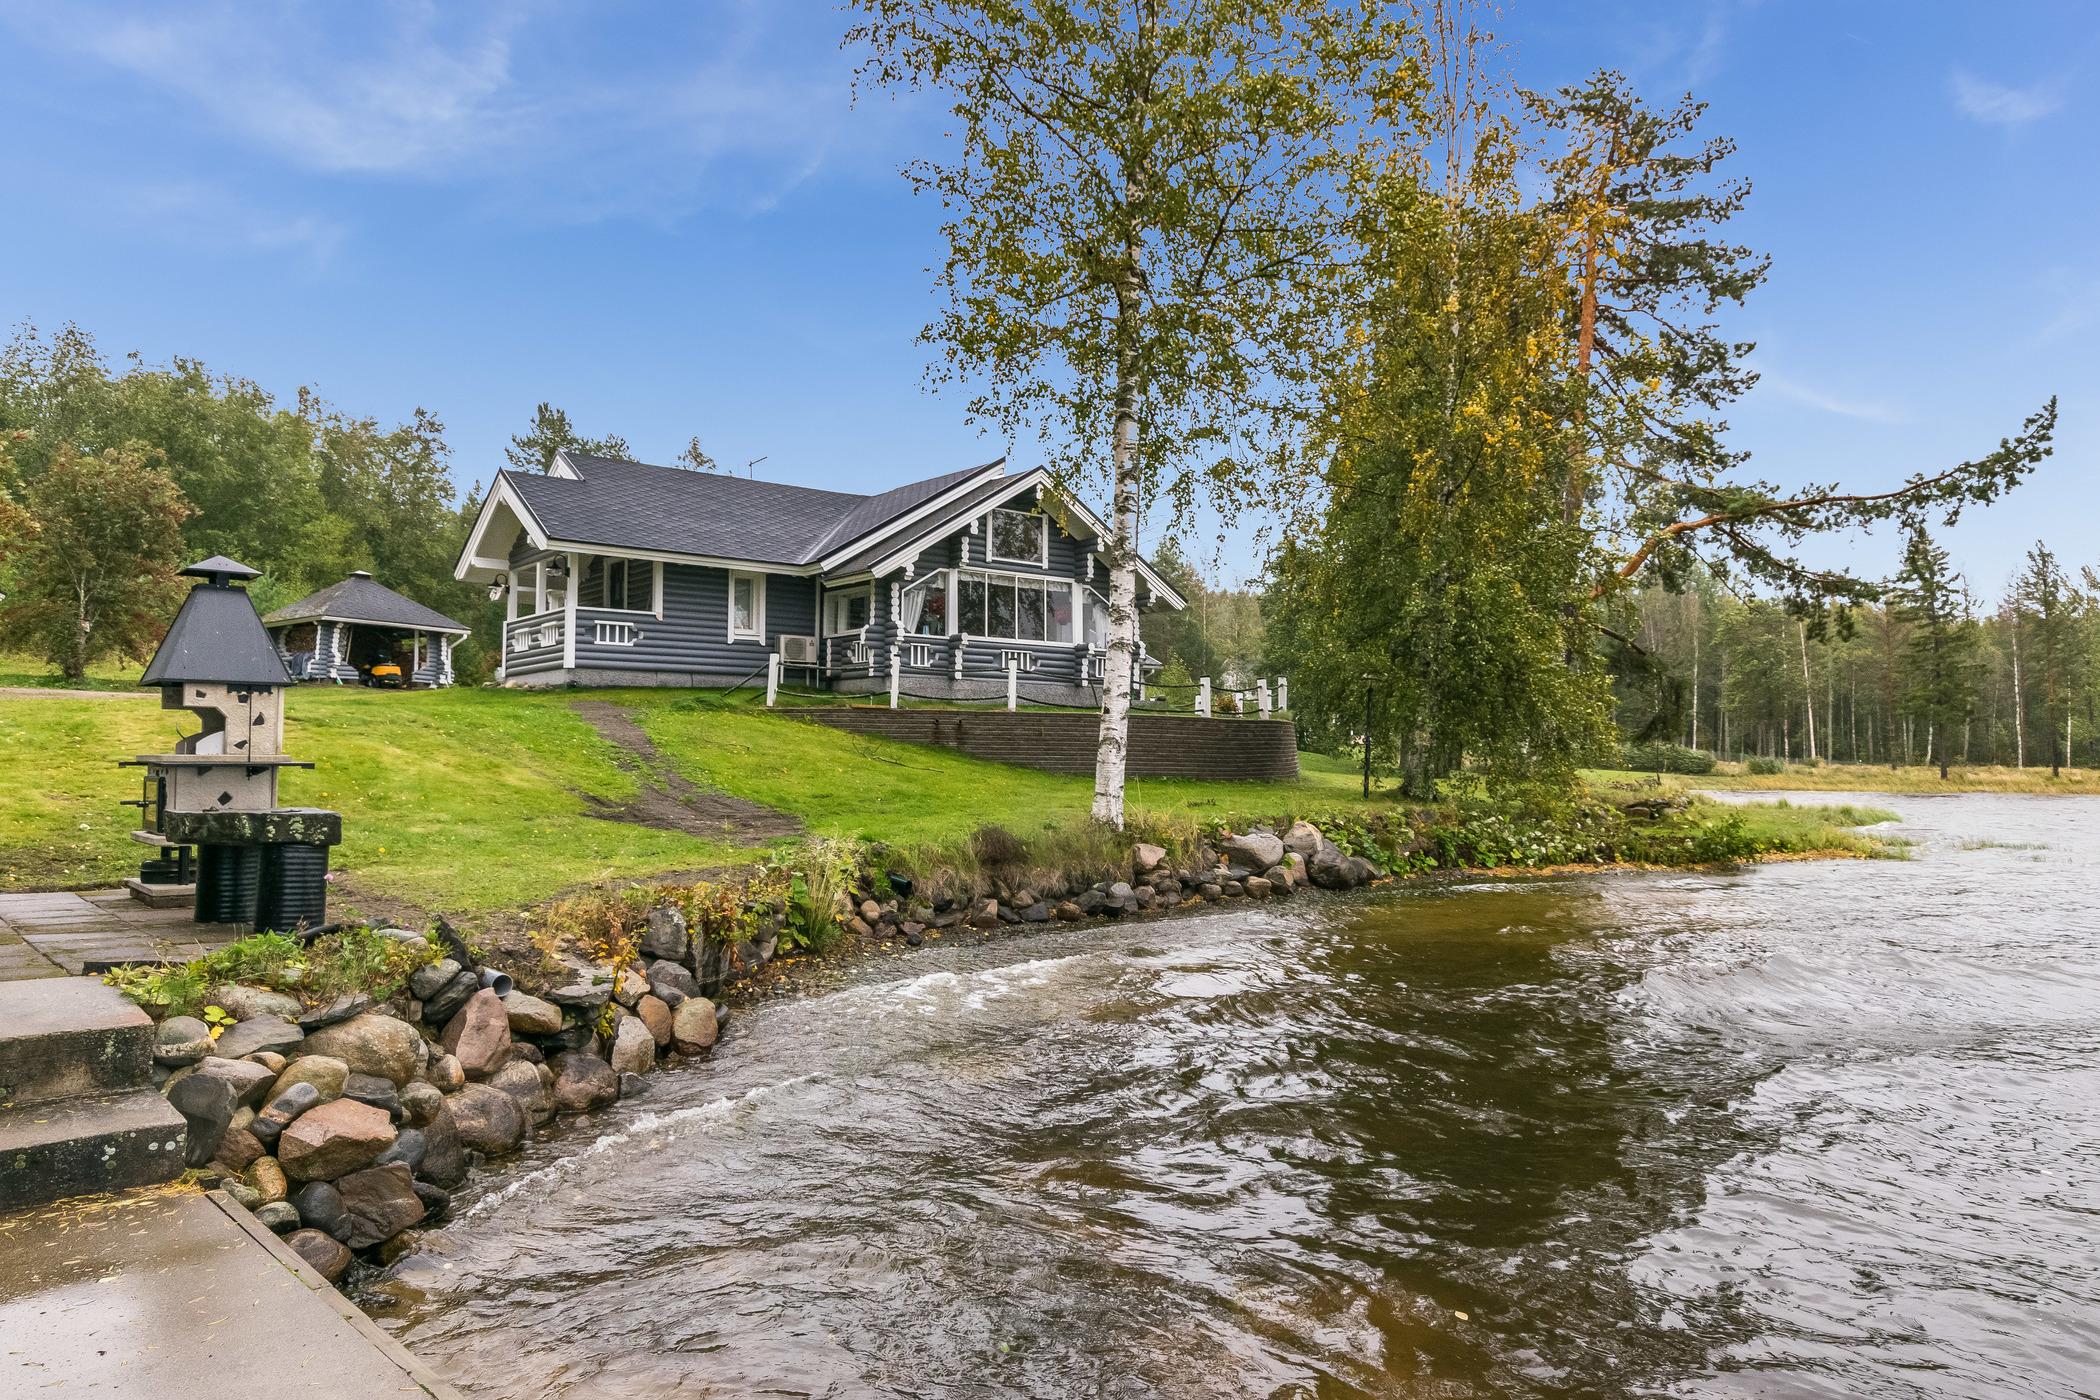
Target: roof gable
[[362, 598], [620, 504]]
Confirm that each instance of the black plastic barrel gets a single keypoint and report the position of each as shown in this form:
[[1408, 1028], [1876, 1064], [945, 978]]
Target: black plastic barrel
[[294, 888], [227, 877]]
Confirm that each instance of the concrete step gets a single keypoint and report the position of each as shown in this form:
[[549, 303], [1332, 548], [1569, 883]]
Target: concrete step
[[65, 1037], [108, 1142]]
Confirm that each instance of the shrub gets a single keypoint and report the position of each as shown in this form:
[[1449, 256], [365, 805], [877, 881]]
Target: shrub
[[1665, 758], [1761, 767], [996, 848]]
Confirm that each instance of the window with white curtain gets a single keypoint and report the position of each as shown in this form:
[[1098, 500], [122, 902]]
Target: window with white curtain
[[1015, 608], [922, 609], [747, 607]]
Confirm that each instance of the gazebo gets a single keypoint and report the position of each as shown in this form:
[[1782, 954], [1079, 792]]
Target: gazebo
[[361, 630]]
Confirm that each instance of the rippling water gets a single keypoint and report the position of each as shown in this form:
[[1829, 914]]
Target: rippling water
[[1811, 1129]]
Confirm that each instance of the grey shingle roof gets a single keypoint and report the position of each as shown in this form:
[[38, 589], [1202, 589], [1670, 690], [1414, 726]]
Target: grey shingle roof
[[629, 505], [216, 636], [362, 598]]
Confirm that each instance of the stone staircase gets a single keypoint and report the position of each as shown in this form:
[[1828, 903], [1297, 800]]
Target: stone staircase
[[78, 1110]]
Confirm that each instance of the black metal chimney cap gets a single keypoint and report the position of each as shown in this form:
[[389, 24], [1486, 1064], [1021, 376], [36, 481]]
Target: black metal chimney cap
[[219, 569]]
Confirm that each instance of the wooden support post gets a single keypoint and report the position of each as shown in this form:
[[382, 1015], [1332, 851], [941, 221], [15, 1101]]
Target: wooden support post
[[1283, 694], [1203, 697], [1013, 684], [1261, 697], [896, 675], [772, 678]]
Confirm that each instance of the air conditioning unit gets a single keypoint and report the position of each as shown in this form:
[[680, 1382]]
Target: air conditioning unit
[[798, 651]]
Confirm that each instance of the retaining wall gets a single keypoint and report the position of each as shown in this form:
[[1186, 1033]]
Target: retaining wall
[[1161, 746]]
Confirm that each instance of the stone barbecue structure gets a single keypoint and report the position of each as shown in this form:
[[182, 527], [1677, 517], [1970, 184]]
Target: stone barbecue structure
[[257, 864]]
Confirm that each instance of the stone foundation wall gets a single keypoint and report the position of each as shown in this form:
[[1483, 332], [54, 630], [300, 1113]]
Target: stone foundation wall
[[1161, 746]]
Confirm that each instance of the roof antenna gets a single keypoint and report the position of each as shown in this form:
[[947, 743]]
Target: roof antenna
[[749, 467]]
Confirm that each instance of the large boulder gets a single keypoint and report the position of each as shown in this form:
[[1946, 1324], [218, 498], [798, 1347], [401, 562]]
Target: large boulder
[[633, 1047], [245, 1037], [181, 1040], [427, 981], [1329, 867], [250, 1081], [530, 1085], [1256, 850], [247, 1003], [490, 1121], [282, 1110], [445, 1003], [669, 976], [1302, 839], [444, 1074], [336, 1011], [326, 1073], [326, 1255], [320, 1206], [479, 1034], [326, 1142], [444, 1155], [369, 1044], [657, 1016], [238, 1148], [380, 1203], [1146, 858], [694, 1026], [529, 1015], [583, 1083], [421, 1102], [666, 935], [206, 1104]]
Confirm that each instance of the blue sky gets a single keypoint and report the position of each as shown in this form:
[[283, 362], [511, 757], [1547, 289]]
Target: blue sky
[[672, 220]]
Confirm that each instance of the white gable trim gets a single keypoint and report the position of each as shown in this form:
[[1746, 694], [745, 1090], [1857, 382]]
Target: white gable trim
[[472, 556], [1039, 481], [859, 543]]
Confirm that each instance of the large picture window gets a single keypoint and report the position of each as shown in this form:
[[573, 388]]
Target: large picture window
[[1011, 608], [1018, 537], [616, 584]]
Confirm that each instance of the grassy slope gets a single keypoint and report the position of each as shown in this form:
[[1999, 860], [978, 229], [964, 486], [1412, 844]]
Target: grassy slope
[[1865, 777], [848, 785], [471, 800]]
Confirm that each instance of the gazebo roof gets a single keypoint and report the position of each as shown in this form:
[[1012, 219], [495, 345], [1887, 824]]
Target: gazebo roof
[[362, 598]]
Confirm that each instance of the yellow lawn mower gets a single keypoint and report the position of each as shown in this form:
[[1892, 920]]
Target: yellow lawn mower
[[385, 674]]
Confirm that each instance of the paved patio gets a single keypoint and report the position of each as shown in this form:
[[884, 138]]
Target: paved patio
[[58, 935], [170, 1291]]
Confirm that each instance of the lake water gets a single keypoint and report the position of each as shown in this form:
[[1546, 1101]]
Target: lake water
[[1810, 1129]]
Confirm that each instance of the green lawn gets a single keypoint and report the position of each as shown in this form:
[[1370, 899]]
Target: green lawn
[[474, 800]]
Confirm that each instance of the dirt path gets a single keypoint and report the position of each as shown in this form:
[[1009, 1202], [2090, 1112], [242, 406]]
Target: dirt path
[[668, 801], [53, 692]]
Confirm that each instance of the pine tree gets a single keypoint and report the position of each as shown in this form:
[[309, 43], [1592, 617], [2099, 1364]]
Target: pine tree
[[1940, 656], [551, 432]]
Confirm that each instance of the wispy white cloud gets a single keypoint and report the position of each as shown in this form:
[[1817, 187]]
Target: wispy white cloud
[[1826, 398], [210, 215], [500, 100], [1999, 105]]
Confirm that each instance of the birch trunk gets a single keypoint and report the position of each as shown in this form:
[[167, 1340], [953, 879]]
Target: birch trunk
[[2019, 706], [1111, 755], [1808, 691]]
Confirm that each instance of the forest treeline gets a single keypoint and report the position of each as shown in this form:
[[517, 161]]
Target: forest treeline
[[1929, 675]]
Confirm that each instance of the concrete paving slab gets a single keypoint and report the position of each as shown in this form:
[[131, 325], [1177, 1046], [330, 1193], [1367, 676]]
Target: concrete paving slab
[[66, 931], [177, 1292]]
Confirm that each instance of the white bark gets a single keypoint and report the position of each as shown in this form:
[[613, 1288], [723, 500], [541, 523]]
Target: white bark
[[1112, 753], [1808, 691], [2019, 707]]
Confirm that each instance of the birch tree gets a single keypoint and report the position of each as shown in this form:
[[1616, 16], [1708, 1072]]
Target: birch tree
[[1147, 241]]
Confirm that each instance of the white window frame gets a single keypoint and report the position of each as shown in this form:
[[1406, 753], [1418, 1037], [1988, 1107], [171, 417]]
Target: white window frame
[[842, 596], [1041, 558], [1041, 581], [758, 608]]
